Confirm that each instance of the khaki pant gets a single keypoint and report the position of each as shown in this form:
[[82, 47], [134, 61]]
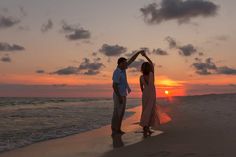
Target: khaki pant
[[118, 113]]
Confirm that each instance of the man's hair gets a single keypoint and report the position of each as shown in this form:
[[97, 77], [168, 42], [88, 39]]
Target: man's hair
[[121, 60]]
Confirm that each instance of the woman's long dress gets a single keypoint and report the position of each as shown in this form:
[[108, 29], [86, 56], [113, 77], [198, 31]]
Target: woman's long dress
[[149, 116]]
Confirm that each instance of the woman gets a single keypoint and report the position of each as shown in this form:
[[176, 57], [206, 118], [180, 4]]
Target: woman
[[149, 117]]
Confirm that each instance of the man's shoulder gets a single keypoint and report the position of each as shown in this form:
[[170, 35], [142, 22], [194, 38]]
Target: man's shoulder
[[117, 70]]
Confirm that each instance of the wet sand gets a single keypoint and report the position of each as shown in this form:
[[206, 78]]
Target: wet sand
[[202, 126], [89, 144]]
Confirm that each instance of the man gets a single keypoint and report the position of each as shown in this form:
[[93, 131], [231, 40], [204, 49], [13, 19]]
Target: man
[[120, 87]]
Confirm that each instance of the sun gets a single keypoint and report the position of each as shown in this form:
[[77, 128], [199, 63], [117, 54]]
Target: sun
[[166, 92]]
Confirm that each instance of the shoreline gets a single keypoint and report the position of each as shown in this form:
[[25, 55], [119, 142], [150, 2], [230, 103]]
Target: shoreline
[[92, 143], [201, 126], [62, 133]]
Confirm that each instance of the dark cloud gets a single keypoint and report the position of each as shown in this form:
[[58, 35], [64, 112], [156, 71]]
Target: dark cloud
[[97, 59], [226, 70], [112, 50], [6, 59], [136, 65], [86, 67], [204, 68], [6, 22], [187, 50], [94, 54], [75, 32], [172, 42], [181, 10], [40, 71], [47, 26], [184, 50], [200, 53], [159, 52], [8, 47], [91, 72], [22, 11], [209, 67], [70, 70]]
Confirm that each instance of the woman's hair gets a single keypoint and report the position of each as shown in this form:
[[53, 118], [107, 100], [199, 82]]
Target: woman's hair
[[146, 68]]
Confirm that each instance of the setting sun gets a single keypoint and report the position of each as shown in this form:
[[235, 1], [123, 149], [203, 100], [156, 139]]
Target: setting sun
[[167, 92]]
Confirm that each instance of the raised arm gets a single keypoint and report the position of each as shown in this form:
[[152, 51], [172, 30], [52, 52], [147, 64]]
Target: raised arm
[[149, 60], [134, 57]]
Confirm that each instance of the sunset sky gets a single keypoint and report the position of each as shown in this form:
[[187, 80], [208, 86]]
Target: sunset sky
[[70, 47]]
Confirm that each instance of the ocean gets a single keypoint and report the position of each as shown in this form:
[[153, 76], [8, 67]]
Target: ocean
[[25, 121]]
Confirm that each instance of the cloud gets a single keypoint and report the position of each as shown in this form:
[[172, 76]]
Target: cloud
[[8, 47], [22, 11], [6, 59], [209, 67], [86, 67], [159, 52], [6, 22], [75, 32], [181, 10], [184, 50], [187, 50], [172, 42], [70, 70], [47, 26], [204, 68], [226, 70], [201, 54], [136, 65], [112, 50], [94, 54], [40, 71]]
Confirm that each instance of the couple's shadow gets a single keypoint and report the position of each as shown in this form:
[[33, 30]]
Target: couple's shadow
[[117, 141]]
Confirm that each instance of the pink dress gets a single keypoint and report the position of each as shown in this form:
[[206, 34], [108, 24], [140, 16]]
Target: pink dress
[[149, 116]]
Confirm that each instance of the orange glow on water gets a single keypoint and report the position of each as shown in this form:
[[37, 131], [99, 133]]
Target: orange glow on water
[[167, 87]]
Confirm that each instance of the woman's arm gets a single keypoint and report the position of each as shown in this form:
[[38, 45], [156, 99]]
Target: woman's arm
[[149, 60]]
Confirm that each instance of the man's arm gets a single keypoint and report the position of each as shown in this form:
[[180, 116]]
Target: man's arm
[[133, 57], [116, 90]]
